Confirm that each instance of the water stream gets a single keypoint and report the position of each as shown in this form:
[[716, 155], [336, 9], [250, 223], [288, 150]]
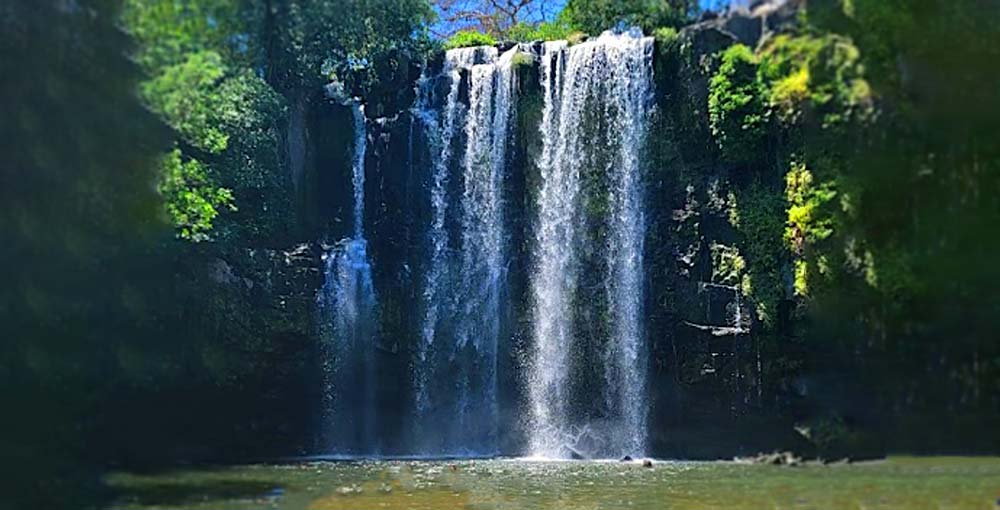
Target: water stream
[[466, 276], [596, 106], [347, 325]]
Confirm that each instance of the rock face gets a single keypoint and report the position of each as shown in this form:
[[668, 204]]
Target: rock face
[[708, 339], [276, 287], [744, 25]]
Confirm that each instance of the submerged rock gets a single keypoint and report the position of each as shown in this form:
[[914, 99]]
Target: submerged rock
[[349, 490], [774, 459]]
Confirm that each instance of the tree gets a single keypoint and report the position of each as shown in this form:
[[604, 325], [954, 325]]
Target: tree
[[79, 163], [596, 16], [494, 17]]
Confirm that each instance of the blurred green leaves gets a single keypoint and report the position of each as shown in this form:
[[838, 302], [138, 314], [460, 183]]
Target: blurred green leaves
[[187, 95]]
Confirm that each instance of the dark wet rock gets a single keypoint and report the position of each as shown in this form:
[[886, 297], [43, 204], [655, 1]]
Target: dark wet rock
[[708, 15], [745, 27], [778, 15], [706, 38], [626, 459]]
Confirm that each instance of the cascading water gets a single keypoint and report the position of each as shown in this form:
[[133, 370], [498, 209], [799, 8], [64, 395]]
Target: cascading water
[[465, 283], [586, 363], [625, 373], [347, 310], [553, 282], [597, 96]]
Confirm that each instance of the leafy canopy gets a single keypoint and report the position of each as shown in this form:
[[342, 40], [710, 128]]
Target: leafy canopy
[[596, 16]]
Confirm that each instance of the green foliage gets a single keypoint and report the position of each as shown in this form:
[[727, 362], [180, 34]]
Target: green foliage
[[727, 265], [364, 44], [469, 39], [805, 200], [810, 222], [193, 201], [666, 38], [596, 16], [757, 216], [547, 31], [226, 116], [522, 59], [737, 113], [186, 95], [169, 30], [821, 74]]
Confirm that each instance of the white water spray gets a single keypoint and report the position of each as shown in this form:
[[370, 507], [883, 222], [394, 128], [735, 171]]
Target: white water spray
[[463, 289], [608, 81]]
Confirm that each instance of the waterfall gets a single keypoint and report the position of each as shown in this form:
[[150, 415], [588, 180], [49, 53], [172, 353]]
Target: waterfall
[[630, 59], [358, 168], [597, 97], [553, 280], [347, 318], [585, 360], [440, 132], [466, 276]]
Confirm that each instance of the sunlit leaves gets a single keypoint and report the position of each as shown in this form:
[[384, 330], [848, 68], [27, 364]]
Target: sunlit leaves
[[185, 94], [193, 201], [469, 38]]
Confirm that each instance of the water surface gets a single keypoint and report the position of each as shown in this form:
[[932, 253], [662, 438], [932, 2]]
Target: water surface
[[897, 483]]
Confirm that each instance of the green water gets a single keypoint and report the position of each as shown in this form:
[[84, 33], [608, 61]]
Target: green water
[[898, 483]]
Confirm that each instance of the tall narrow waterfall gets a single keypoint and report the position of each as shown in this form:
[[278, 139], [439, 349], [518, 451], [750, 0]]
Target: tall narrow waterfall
[[347, 311], [455, 370], [597, 96], [553, 282]]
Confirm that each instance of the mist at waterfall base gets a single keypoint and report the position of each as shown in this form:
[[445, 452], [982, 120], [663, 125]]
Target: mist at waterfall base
[[580, 361]]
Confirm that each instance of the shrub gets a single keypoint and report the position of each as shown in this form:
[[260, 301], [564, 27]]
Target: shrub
[[737, 113], [758, 219], [468, 39], [810, 221], [596, 16], [548, 31], [193, 200], [822, 74]]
